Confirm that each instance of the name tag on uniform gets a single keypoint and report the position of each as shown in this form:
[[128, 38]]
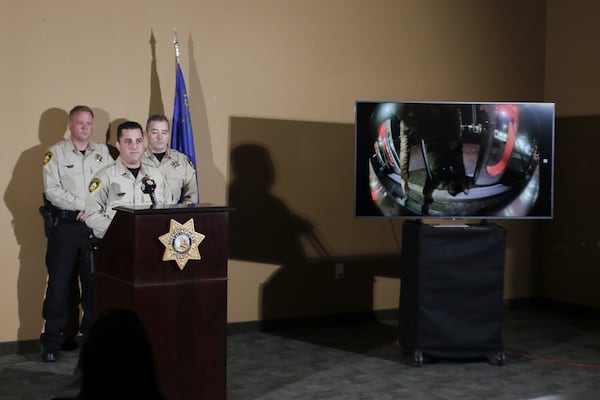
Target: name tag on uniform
[[121, 194], [69, 166]]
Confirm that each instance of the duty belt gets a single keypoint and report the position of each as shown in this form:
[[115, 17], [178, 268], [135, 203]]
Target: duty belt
[[66, 215]]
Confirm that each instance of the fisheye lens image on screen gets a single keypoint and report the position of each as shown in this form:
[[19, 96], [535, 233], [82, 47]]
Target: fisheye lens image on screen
[[454, 160]]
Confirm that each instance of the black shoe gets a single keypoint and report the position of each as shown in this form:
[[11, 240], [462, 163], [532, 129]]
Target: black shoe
[[49, 356], [70, 344]]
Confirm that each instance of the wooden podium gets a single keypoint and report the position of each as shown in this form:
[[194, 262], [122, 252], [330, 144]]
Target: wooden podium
[[183, 309]]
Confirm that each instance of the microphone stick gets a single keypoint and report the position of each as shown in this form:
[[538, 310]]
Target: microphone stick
[[148, 187]]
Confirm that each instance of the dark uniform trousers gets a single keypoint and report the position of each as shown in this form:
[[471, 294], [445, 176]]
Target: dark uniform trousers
[[67, 255]]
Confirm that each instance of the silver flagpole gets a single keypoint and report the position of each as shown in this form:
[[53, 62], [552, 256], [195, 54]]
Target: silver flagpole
[[176, 44]]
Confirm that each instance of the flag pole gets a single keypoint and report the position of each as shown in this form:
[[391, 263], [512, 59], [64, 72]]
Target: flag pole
[[182, 137], [176, 44]]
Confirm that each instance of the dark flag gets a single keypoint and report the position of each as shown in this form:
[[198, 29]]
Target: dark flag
[[182, 138]]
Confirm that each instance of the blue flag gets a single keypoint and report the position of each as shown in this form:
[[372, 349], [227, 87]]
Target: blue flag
[[182, 138]]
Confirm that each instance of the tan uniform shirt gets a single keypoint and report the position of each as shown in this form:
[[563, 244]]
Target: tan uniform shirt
[[179, 172], [67, 173], [116, 186]]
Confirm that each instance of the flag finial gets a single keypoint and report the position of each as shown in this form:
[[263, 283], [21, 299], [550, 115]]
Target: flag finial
[[176, 44]]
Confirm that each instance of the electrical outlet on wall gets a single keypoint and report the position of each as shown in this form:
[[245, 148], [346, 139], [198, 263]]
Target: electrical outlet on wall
[[339, 270]]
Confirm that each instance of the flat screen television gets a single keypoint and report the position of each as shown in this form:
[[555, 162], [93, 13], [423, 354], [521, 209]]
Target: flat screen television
[[454, 160]]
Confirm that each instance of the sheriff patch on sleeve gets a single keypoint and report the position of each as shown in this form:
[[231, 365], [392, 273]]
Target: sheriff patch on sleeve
[[47, 157], [94, 184]]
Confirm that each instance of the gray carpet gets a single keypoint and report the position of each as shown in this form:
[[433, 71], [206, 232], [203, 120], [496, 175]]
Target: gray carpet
[[553, 353]]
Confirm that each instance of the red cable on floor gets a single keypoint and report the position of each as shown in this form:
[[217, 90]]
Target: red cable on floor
[[555, 361]]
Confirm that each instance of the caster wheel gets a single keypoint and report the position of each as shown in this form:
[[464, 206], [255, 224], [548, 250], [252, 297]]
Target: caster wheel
[[498, 359], [418, 358]]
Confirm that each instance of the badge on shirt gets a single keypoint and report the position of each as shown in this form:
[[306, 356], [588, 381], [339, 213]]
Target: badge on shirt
[[94, 184], [175, 164], [98, 158], [47, 157]]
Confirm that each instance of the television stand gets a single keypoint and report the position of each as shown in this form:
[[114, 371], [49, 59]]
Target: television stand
[[451, 295]]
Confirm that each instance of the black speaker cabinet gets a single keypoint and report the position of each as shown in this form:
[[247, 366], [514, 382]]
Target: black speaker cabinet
[[451, 295]]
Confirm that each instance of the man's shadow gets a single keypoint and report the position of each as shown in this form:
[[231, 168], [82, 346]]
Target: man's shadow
[[111, 137], [264, 229], [23, 197]]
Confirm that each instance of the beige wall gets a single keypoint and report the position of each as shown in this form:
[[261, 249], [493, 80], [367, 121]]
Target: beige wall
[[572, 58], [571, 252], [296, 61]]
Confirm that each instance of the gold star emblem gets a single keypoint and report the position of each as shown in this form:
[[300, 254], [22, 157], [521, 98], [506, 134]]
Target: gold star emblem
[[181, 243]]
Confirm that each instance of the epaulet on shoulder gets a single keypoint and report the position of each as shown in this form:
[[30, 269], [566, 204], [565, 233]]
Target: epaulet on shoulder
[[190, 162]]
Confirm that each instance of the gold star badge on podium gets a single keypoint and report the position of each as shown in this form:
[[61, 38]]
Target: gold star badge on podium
[[181, 243]]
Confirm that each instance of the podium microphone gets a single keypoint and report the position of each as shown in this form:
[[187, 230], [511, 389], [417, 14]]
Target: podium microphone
[[148, 187]]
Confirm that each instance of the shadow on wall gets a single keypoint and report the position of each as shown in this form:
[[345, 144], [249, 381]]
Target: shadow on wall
[[111, 136], [571, 242], [207, 171], [277, 231], [105, 130], [23, 197], [290, 182], [156, 105]]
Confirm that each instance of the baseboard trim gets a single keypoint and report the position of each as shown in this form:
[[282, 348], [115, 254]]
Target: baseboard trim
[[20, 347], [312, 321], [234, 328], [555, 305]]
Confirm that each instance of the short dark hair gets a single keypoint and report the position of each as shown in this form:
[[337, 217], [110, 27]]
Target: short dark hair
[[157, 118], [80, 108], [128, 125]]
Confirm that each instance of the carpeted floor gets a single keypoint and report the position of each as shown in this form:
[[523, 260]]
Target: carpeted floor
[[552, 353]]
